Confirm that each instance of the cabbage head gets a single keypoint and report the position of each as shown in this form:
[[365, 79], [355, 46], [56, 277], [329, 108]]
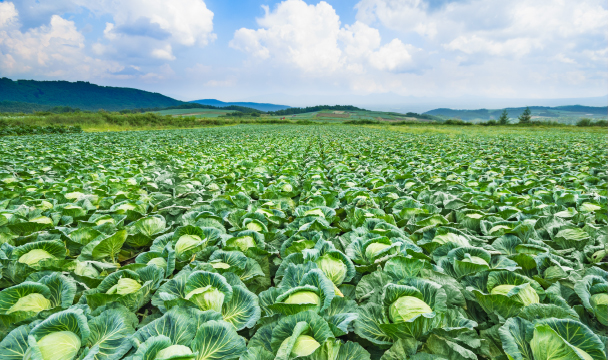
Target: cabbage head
[[333, 268], [243, 242], [303, 297], [159, 262], [304, 345], [220, 265], [315, 212], [207, 298], [406, 308], [173, 350], [42, 220], [83, 269], [599, 299], [374, 248], [527, 295], [546, 344], [34, 256], [33, 302], [255, 226], [124, 286], [186, 243], [60, 345], [474, 260], [451, 238], [599, 302]]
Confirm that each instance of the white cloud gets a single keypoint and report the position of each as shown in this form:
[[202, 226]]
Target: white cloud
[[512, 28], [56, 49], [311, 38], [393, 56], [297, 33], [8, 15], [164, 53], [158, 25]]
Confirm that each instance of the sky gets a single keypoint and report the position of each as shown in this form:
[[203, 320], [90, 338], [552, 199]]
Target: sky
[[391, 54]]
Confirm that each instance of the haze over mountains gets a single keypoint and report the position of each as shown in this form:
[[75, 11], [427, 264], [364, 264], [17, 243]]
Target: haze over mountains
[[253, 105], [31, 95]]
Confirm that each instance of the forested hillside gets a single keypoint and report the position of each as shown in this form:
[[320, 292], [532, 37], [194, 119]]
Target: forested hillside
[[32, 95]]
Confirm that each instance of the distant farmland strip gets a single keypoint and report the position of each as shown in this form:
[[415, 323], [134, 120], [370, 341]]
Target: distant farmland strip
[[333, 115]]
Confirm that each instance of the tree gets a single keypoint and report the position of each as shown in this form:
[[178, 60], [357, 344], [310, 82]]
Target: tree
[[525, 117], [504, 118]]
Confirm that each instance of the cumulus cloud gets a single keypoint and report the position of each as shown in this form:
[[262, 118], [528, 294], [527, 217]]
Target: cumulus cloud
[[55, 49], [501, 28], [152, 27], [311, 38]]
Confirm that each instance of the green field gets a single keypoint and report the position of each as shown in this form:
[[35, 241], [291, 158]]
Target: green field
[[261, 242], [200, 113]]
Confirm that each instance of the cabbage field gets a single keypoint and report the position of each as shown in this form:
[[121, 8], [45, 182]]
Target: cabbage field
[[308, 242]]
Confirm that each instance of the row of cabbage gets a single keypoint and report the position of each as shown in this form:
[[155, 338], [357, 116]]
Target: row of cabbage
[[282, 243]]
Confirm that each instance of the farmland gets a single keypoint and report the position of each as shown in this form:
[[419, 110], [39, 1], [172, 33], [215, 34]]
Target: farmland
[[261, 242], [198, 113]]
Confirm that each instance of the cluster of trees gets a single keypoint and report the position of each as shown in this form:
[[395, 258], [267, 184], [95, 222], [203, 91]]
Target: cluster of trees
[[242, 114], [297, 110], [524, 118], [589, 122]]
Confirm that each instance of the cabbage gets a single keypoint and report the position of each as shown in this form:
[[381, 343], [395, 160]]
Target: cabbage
[[173, 350], [220, 265], [124, 286], [32, 257], [243, 243], [104, 221], [32, 302], [126, 207], [374, 248], [546, 344], [527, 295], [408, 307], [303, 297], [83, 269], [304, 346], [45, 205], [207, 298], [73, 195], [337, 291], [599, 302], [451, 238], [475, 260], [254, 226], [333, 268], [186, 242], [287, 188], [315, 212], [158, 261], [42, 220], [599, 299], [60, 345], [264, 212]]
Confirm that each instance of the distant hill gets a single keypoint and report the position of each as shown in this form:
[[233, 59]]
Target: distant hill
[[576, 111], [22, 95], [253, 105]]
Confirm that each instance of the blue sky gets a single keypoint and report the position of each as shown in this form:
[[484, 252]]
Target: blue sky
[[368, 52]]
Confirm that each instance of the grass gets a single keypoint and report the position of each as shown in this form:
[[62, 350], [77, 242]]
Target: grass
[[104, 121], [485, 130]]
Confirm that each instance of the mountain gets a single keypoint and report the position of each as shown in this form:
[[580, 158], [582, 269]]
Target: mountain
[[576, 111], [36, 95], [253, 105]]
